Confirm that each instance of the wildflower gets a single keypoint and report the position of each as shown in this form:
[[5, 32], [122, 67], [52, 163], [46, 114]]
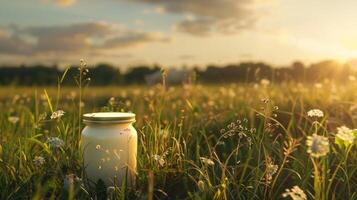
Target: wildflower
[[231, 93], [317, 145], [315, 113], [81, 104], [55, 142], [351, 78], [271, 169], [318, 85], [111, 191], [38, 161], [249, 141], [241, 134], [265, 100], [112, 101], [70, 180], [72, 95], [296, 193], [97, 147], [207, 161], [13, 119], [57, 114], [201, 185], [159, 159], [164, 132], [210, 103], [345, 134], [264, 82]]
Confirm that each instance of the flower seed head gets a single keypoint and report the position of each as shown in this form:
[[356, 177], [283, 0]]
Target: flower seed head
[[317, 145]]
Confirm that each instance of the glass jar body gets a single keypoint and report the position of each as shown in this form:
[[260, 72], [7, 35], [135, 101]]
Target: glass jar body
[[109, 153]]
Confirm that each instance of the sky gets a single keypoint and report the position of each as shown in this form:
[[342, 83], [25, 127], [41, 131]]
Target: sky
[[176, 32]]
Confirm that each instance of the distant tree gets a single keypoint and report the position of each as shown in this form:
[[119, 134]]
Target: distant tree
[[137, 74], [105, 74], [28, 75]]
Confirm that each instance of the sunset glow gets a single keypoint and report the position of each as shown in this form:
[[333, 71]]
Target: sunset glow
[[178, 32]]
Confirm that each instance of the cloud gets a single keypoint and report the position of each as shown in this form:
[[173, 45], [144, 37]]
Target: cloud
[[12, 44], [70, 39], [135, 39], [65, 3], [199, 27], [224, 16], [186, 57]]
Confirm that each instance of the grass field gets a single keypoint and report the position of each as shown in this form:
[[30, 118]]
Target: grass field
[[238, 141]]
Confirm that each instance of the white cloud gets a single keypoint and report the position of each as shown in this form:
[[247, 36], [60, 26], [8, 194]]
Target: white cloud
[[224, 16], [69, 39]]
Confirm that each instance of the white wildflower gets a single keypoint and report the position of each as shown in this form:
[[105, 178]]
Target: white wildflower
[[159, 159], [264, 82], [112, 101], [112, 191], [38, 161], [55, 142], [207, 161], [271, 169], [315, 113], [345, 134], [58, 114], [317, 145], [201, 185], [318, 85], [82, 104], [296, 193], [351, 78], [13, 119], [71, 179]]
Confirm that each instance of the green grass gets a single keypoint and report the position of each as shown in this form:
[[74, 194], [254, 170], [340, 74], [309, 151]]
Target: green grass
[[254, 135]]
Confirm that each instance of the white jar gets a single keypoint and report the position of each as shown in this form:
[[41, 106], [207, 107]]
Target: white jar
[[109, 144]]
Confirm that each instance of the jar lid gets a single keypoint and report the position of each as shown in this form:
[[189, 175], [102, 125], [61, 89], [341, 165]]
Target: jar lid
[[109, 117]]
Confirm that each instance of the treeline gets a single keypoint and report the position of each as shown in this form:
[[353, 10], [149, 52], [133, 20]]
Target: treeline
[[106, 74]]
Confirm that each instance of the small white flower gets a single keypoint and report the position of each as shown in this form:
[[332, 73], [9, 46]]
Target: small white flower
[[159, 159], [317, 145], [111, 191], [351, 78], [345, 134], [82, 104], [55, 142], [112, 101], [71, 179], [201, 185], [315, 113], [58, 114], [296, 193], [38, 161], [318, 85], [207, 161], [13, 119], [271, 169], [264, 82]]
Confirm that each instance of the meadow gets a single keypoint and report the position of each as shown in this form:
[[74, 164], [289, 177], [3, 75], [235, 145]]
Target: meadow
[[233, 141]]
